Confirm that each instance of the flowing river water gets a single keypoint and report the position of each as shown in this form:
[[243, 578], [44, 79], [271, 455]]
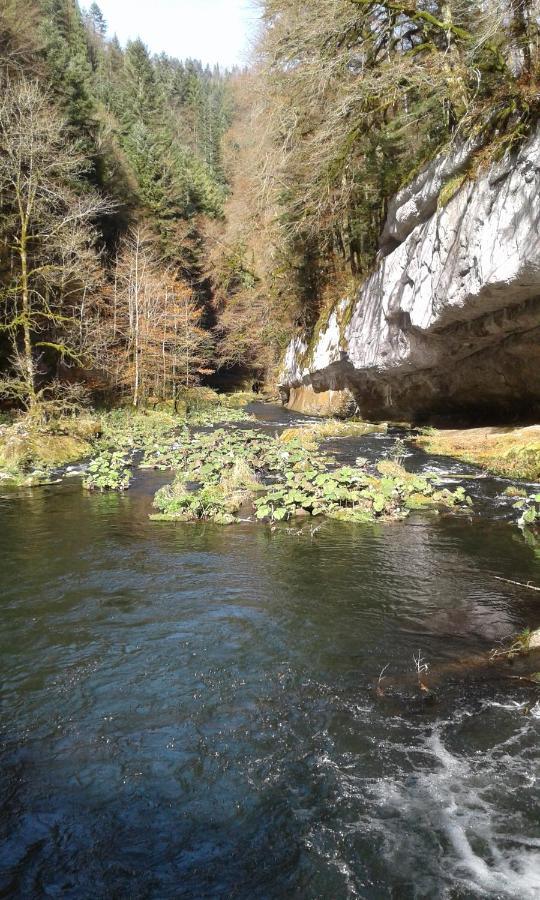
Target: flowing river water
[[192, 711]]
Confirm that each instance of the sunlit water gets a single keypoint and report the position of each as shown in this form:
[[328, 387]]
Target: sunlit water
[[192, 711]]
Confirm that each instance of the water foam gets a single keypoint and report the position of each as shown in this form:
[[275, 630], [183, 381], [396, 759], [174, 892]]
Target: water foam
[[463, 801]]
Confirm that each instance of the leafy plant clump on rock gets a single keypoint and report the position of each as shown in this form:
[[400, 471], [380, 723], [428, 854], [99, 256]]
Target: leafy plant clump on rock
[[529, 511], [161, 436], [109, 471], [214, 502], [351, 495], [220, 472]]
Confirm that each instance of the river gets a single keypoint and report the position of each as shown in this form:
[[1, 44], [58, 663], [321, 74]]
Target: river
[[192, 711]]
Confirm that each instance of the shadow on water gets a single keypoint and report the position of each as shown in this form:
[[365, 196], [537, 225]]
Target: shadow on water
[[189, 711]]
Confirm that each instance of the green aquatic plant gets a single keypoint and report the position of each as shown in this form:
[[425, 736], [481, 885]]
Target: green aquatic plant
[[123, 434], [217, 415], [529, 509], [109, 471], [160, 436], [349, 494], [294, 480], [217, 503], [129, 429]]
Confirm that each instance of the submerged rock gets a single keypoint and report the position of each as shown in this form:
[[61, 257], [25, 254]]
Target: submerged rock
[[534, 640], [449, 321]]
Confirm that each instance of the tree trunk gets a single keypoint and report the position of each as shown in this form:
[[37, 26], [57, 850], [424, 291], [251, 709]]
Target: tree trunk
[[187, 343], [136, 385], [29, 370]]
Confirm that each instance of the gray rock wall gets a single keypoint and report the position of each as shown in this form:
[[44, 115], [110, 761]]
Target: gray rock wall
[[450, 319]]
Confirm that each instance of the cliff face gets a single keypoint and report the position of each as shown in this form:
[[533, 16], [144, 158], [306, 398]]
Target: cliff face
[[450, 319]]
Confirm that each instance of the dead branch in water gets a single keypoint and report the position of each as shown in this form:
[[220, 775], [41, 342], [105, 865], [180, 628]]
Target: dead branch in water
[[523, 652], [528, 585]]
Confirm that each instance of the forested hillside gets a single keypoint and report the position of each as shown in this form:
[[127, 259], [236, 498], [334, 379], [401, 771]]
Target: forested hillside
[[110, 171], [348, 101], [161, 221]]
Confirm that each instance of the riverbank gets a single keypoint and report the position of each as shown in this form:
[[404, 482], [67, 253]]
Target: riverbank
[[513, 452]]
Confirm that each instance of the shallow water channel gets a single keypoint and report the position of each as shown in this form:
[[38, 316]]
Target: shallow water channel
[[192, 711]]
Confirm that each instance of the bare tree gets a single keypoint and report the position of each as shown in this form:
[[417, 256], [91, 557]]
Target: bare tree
[[254, 313], [20, 40], [192, 346], [47, 233], [155, 342]]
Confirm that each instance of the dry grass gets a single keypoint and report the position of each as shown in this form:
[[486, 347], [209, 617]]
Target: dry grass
[[511, 452], [310, 436], [241, 478], [24, 446], [23, 452]]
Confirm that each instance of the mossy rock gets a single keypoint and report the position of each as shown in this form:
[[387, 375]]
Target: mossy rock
[[450, 189], [224, 519], [418, 501], [21, 452], [344, 514]]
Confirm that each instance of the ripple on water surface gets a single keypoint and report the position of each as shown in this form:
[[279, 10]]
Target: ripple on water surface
[[190, 711]]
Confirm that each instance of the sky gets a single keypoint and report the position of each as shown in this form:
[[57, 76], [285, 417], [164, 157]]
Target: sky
[[214, 31]]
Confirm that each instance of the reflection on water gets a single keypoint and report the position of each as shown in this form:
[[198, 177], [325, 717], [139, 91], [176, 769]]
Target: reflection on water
[[189, 711]]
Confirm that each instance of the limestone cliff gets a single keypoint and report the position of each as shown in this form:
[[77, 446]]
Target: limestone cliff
[[450, 318]]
